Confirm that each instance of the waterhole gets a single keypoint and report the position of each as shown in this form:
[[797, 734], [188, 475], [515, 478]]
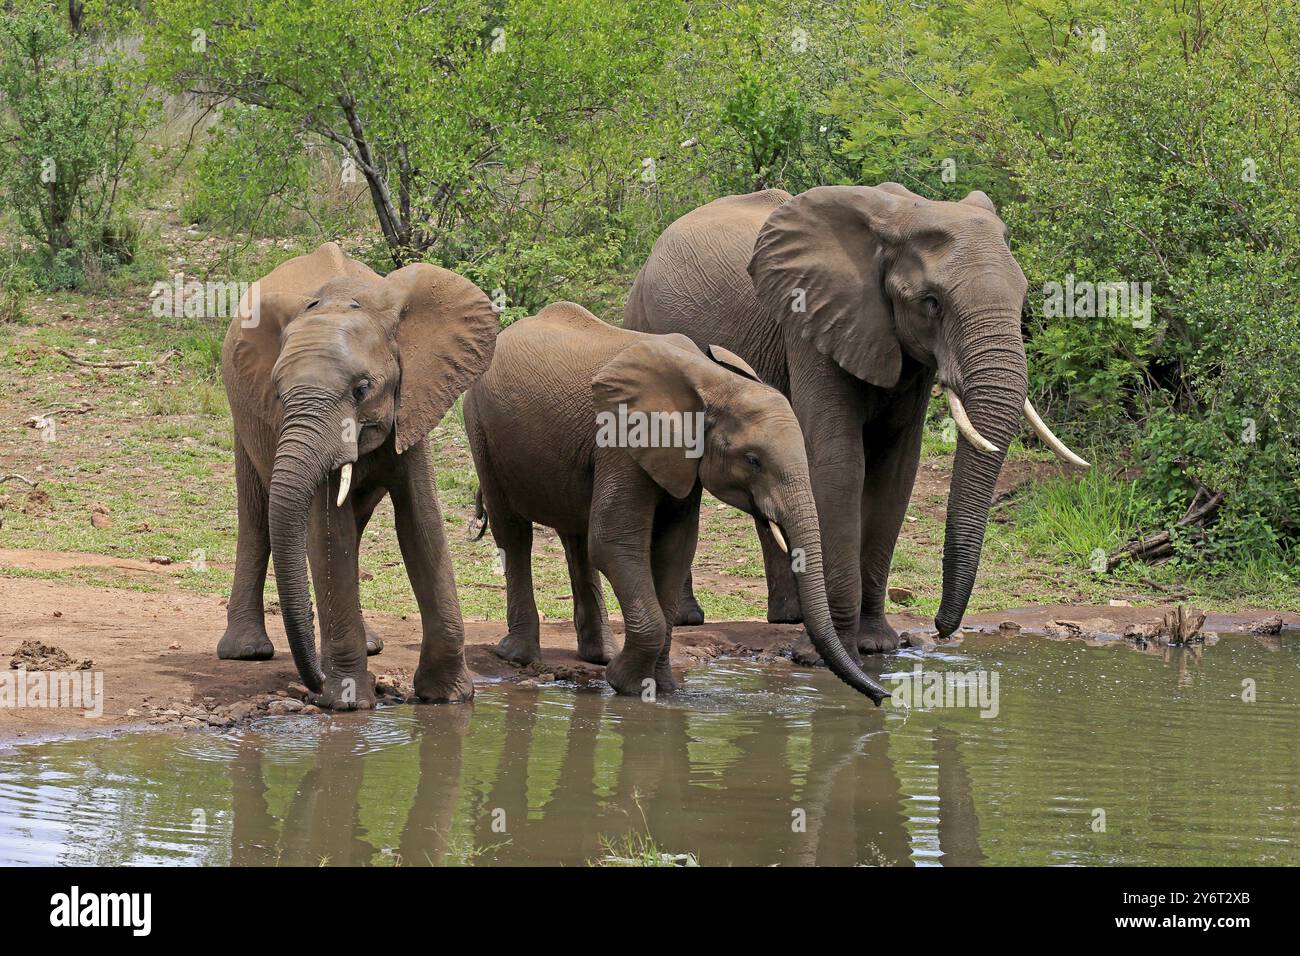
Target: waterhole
[[1060, 753]]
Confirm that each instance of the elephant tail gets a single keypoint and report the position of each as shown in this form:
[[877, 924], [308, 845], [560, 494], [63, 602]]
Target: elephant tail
[[478, 527]]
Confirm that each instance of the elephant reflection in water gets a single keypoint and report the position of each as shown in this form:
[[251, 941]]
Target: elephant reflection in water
[[750, 802], [322, 824]]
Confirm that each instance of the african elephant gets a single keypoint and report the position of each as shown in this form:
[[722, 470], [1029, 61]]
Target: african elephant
[[335, 376], [608, 436], [850, 300]]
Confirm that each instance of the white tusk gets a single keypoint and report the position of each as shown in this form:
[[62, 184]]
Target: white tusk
[[345, 482], [780, 538], [964, 425], [1049, 439]]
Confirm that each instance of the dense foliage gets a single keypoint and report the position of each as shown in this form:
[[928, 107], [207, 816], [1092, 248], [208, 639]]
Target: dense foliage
[[71, 120], [540, 146]]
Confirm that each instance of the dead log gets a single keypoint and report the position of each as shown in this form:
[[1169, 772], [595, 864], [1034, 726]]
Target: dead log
[[1160, 546]]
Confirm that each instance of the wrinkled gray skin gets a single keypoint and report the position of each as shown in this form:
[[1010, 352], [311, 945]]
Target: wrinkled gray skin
[[632, 513], [332, 365], [851, 300]]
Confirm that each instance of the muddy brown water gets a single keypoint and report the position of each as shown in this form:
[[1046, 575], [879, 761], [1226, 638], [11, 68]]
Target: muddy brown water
[[1089, 755]]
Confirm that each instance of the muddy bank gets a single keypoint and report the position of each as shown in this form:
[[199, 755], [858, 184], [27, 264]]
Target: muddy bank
[[157, 651]]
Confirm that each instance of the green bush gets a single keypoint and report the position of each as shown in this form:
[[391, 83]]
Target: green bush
[[71, 120]]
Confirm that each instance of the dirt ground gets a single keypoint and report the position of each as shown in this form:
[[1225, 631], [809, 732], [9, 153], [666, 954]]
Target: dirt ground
[[157, 649]]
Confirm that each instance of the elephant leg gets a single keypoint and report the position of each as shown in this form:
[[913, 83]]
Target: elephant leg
[[514, 538], [620, 546], [595, 639], [891, 461], [441, 676], [689, 612], [782, 592], [676, 532], [245, 638], [332, 554], [830, 409], [364, 509]]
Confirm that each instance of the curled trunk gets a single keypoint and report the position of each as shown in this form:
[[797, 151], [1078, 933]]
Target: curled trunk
[[798, 517], [993, 387]]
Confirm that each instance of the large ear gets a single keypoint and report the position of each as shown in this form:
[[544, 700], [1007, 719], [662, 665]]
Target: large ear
[[446, 331], [819, 266], [253, 343], [653, 376]]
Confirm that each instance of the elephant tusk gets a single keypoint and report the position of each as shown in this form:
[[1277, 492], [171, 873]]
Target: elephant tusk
[[964, 424], [345, 482], [780, 538], [1049, 439]]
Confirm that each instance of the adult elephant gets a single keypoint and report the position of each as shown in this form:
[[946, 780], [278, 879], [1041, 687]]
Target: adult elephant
[[335, 377], [851, 300]]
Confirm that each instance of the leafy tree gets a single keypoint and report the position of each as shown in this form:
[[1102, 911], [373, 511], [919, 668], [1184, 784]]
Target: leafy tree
[[72, 118]]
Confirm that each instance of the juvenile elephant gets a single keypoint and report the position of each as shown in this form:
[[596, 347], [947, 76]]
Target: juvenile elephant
[[564, 433], [335, 376], [850, 300]]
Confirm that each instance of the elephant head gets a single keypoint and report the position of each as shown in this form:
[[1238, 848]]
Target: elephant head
[[869, 274], [746, 448], [338, 363]]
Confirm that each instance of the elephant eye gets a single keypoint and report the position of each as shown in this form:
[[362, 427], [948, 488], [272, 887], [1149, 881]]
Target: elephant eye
[[932, 307], [311, 305], [752, 460], [361, 390]]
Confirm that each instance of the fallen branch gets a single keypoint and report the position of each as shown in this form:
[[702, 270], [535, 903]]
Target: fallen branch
[[1160, 546], [26, 481], [86, 363]]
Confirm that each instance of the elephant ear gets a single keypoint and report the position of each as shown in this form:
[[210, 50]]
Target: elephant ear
[[446, 332], [652, 376], [818, 266], [729, 359], [253, 344]]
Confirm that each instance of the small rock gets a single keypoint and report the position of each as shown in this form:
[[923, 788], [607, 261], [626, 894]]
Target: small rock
[[100, 520], [173, 646], [132, 712], [903, 596], [160, 559], [1008, 626], [529, 683], [1270, 625], [296, 690], [1120, 603], [310, 709]]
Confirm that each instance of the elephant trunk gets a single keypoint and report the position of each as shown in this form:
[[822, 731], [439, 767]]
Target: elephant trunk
[[301, 465], [797, 516], [992, 391]]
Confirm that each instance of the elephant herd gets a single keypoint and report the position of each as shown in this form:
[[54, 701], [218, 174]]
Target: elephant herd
[[777, 351]]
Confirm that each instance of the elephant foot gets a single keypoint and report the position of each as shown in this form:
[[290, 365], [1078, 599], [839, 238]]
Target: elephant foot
[[452, 685], [876, 635], [347, 693], [245, 642], [783, 609], [596, 650], [374, 643], [689, 612], [637, 675], [520, 648], [804, 653]]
